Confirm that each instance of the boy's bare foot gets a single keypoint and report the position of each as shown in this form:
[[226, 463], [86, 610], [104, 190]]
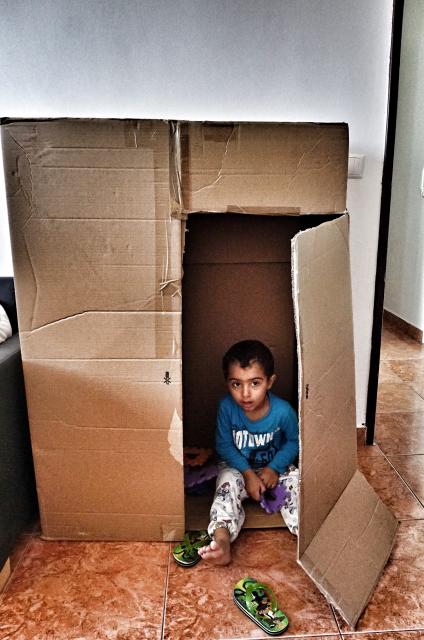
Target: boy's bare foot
[[218, 551]]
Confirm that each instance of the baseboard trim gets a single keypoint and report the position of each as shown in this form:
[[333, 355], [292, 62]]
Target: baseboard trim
[[403, 326]]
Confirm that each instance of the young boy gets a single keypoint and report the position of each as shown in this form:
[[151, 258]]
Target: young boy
[[257, 440]]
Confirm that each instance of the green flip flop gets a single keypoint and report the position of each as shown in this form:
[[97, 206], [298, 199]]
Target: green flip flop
[[185, 553], [259, 603]]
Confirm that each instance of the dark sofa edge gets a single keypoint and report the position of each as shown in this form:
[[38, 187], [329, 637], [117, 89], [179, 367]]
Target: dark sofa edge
[[8, 300]]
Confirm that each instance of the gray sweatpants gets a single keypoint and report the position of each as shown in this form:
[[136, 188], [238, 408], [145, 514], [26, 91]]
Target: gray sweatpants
[[227, 510]]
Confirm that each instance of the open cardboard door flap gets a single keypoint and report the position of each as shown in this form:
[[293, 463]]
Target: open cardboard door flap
[[346, 536]]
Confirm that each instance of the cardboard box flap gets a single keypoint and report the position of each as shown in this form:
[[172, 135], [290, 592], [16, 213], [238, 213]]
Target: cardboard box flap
[[323, 317], [328, 460], [349, 552], [260, 168]]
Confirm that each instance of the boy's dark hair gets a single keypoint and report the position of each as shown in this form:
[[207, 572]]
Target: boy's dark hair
[[245, 353]]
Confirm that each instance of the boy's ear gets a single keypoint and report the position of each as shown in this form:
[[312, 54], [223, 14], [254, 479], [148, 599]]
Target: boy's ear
[[271, 380]]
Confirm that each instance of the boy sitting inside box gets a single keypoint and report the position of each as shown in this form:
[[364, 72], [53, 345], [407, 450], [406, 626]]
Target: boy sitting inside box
[[257, 440]]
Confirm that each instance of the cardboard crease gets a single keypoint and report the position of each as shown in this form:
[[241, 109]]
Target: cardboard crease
[[221, 168]]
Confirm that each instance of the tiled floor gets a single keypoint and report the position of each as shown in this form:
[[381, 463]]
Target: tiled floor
[[134, 591]]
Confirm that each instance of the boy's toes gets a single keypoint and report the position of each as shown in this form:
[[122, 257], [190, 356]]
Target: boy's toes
[[203, 550], [216, 553], [209, 551]]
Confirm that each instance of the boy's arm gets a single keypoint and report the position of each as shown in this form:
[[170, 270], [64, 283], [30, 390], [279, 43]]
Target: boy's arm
[[224, 442], [290, 449]]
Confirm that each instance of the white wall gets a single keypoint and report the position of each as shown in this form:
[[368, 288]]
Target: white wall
[[405, 261], [307, 60]]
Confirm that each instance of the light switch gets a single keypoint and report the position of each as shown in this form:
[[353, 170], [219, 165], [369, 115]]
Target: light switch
[[356, 165]]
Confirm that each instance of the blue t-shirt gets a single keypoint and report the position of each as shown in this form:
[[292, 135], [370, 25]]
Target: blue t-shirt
[[271, 441]]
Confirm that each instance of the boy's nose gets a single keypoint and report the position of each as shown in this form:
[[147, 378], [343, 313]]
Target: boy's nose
[[245, 392]]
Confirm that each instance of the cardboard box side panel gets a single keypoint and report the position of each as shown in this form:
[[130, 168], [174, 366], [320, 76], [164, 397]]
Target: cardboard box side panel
[[321, 287], [106, 438], [112, 482], [255, 167], [93, 403], [110, 526], [348, 554], [99, 255], [98, 265], [92, 335]]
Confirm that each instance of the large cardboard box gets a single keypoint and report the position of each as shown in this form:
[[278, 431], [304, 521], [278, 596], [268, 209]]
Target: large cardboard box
[[99, 215]]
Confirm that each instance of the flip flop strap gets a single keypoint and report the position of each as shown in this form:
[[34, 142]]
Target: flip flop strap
[[252, 599], [191, 547]]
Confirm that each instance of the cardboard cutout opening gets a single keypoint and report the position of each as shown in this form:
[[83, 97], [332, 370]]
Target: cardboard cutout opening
[[236, 286]]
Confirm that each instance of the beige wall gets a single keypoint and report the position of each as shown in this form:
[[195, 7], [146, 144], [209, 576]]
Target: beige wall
[[405, 262]]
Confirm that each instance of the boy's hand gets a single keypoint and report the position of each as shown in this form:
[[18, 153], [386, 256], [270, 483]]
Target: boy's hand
[[269, 477], [254, 485]]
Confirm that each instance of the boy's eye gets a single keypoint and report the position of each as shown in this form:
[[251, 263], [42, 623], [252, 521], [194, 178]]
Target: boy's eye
[[255, 383], [235, 385]]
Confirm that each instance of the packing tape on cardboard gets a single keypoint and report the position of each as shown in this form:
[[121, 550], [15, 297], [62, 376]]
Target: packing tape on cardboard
[[174, 286], [175, 171], [263, 211], [175, 439], [167, 274]]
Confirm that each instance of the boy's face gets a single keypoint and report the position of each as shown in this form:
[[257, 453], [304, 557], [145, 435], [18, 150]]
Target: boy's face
[[248, 387]]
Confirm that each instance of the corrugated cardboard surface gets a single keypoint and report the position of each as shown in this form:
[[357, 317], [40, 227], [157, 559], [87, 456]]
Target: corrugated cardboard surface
[[97, 267], [322, 278], [269, 168], [95, 212], [351, 548], [338, 508]]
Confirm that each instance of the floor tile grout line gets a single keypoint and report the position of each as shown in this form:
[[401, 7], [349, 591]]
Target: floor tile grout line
[[333, 611], [407, 383], [302, 636], [380, 632], [421, 502], [165, 595], [418, 394], [398, 455]]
